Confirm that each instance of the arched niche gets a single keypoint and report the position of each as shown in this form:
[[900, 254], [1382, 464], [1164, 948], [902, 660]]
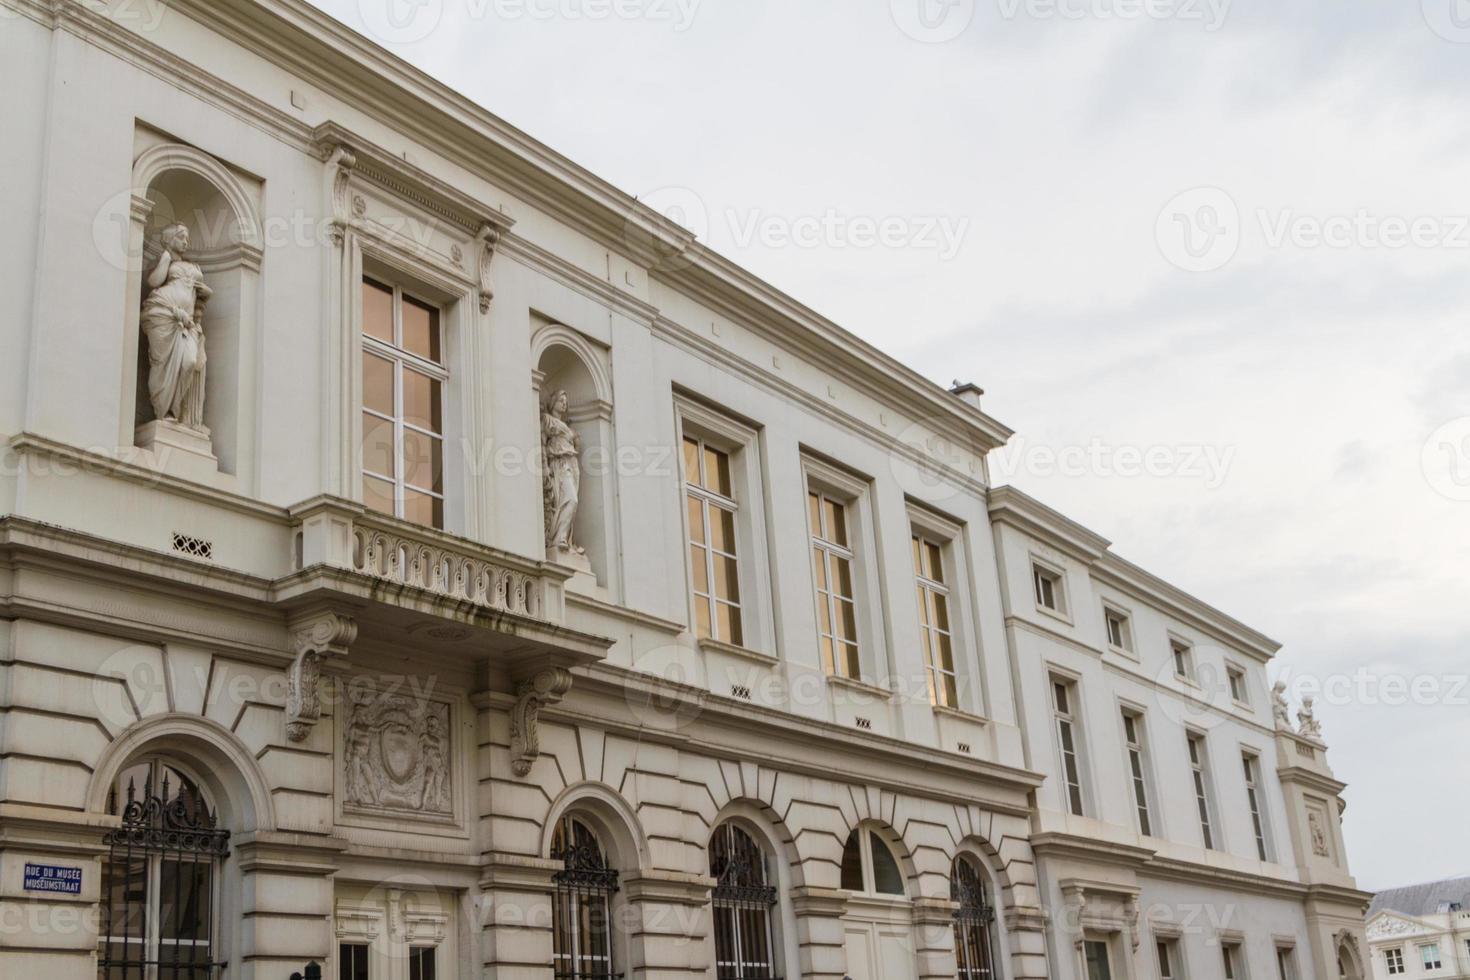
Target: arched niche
[[178, 184], [567, 361]]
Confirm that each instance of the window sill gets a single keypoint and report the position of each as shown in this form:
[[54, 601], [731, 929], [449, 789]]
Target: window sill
[[732, 650], [1056, 614], [1125, 653], [959, 713], [863, 687]]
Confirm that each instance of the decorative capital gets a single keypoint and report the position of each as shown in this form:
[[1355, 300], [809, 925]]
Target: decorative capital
[[340, 161], [547, 686], [322, 636]]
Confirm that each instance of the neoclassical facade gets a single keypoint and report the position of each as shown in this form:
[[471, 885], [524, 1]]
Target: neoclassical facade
[[1421, 930], [419, 559]]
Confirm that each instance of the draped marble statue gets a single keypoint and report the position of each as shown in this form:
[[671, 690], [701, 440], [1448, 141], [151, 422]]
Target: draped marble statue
[[173, 321], [561, 484]]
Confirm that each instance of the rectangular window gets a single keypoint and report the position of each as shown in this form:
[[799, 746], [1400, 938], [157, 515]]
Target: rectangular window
[[1252, 766], [1199, 766], [1430, 955], [1237, 685], [1049, 591], [352, 961], [421, 963], [1394, 959], [934, 621], [1063, 694], [832, 561], [1099, 961], [1285, 963], [1137, 763], [1183, 659], [1231, 954], [403, 378], [1171, 967], [1120, 631], [710, 499]]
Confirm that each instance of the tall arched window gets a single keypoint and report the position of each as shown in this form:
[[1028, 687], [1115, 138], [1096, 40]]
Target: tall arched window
[[869, 866], [743, 899], [974, 921], [160, 882], [582, 913]]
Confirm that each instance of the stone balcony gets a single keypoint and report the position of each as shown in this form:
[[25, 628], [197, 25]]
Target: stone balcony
[[393, 577]]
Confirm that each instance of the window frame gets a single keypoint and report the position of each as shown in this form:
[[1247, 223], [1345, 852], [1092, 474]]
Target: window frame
[[763, 899], [1424, 949], [1255, 790], [1393, 961], [1182, 651], [854, 493], [1168, 946], [403, 361], [741, 442], [865, 833], [1056, 576], [1138, 765], [1127, 647], [1067, 719], [1204, 790], [1233, 961], [1233, 673], [1286, 962], [467, 497]]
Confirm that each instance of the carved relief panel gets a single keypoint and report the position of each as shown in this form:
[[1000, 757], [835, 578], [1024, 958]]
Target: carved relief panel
[[398, 751]]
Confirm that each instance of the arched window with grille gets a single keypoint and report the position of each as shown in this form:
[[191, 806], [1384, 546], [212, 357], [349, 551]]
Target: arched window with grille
[[974, 921], [160, 887], [744, 898], [582, 947]]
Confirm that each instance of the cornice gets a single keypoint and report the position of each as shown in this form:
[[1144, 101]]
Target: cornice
[[1027, 514], [548, 263], [814, 743], [1053, 844], [1312, 778], [1193, 873], [698, 346]]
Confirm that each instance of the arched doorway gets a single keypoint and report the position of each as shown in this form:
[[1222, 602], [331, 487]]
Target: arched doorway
[[878, 924]]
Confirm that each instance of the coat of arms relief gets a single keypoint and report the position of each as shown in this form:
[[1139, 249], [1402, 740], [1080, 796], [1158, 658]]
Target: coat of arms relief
[[396, 753]]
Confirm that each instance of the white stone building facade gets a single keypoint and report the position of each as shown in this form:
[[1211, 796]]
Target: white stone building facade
[[1421, 930], [418, 558]]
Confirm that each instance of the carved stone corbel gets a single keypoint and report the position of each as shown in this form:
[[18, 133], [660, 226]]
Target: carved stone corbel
[[547, 686], [340, 161], [315, 639], [485, 241]]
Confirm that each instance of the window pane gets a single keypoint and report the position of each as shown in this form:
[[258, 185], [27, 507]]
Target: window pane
[[378, 495], [377, 311], [421, 401], [851, 668], [352, 962], [951, 693], [842, 576], [730, 630], [886, 878], [717, 471], [814, 513], [420, 508], [421, 329], [846, 621], [819, 563], [702, 617], [377, 445], [691, 462], [423, 461], [421, 963], [722, 530], [727, 580], [946, 655], [696, 519], [934, 568], [852, 864], [698, 561], [377, 384], [941, 612], [836, 522], [184, 900], [918, 557]]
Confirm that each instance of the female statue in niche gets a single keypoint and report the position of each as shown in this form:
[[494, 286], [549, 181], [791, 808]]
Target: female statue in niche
[[173, 321], [561, 483]]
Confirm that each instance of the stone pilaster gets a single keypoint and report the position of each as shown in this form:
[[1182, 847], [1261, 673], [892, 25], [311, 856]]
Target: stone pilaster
[[286, 893], [515, 916], [934, 948], [819, 932], [666, 919]]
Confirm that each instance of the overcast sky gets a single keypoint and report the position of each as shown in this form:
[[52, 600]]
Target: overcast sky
[[1232, 234]]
